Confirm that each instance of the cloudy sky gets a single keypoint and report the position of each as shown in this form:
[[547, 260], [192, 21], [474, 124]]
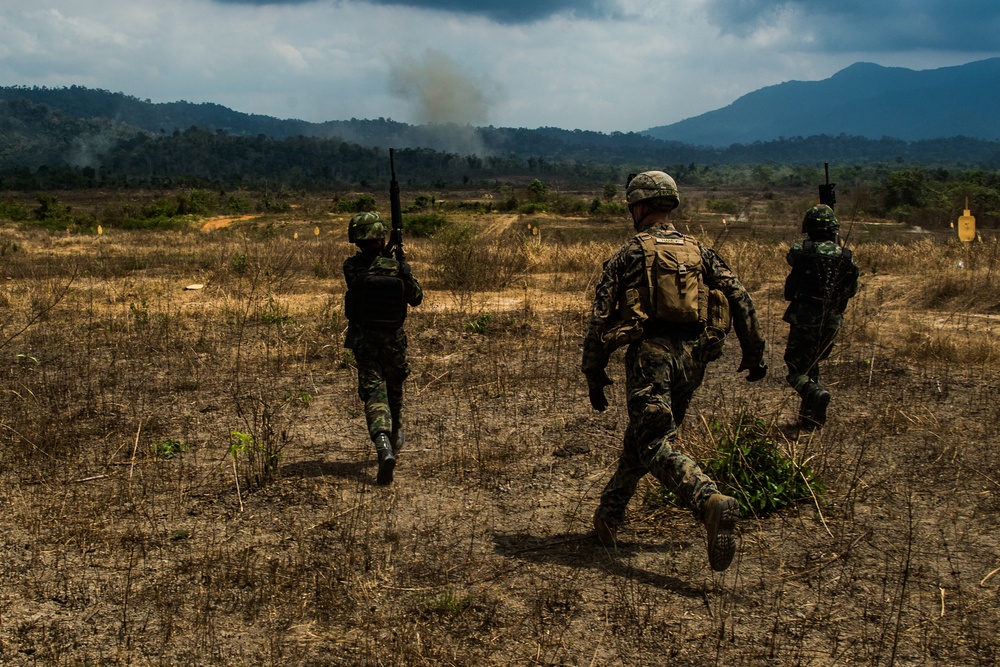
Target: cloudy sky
[[605, 65]]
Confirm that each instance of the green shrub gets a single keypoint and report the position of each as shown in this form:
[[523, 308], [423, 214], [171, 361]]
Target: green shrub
[[198, 202], [480, 324], [425, 224], [12, 210], [363, 202], [532, 207], [750, 467], [727, 206]]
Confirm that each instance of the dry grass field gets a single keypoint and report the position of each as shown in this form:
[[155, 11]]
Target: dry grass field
[[185, 476]]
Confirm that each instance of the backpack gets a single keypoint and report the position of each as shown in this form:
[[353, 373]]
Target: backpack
[[675, 280], [823, 276], [377, 298], [673, 293]]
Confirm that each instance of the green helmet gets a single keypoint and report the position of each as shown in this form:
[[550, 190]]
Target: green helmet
[[820, 219], [651, 185], [365, 226]]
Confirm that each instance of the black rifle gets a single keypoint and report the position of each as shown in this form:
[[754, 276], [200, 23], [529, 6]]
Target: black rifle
[[826, 194], [396, 211]]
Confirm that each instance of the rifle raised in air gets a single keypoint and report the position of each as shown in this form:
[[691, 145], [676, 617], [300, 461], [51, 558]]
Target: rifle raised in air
[[396, 211]]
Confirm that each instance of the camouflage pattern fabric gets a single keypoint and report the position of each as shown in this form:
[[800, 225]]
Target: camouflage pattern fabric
[[381, 372], [662, 376], [380, 353], [663, 369], [815, 320]]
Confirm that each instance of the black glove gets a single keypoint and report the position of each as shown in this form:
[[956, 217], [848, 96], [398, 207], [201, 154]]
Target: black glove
[[596, 385], [598, 400], [757, 370], [404, 269]]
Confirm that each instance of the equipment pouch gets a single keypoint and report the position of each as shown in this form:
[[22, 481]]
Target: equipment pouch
[[719, 316], [710, 344]]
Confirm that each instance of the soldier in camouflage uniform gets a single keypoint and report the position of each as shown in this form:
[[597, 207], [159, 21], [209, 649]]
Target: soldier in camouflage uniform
[[379, 289], [664, 365], [823, 278]]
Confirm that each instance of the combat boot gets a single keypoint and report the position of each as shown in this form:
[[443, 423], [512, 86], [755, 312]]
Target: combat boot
[[814, 408], [821, 401], [719, 515], [605, 531], [386, 459], [397, 441]]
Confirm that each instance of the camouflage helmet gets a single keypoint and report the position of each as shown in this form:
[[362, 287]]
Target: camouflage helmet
[[365, 226], [651, 185], [820, 219]]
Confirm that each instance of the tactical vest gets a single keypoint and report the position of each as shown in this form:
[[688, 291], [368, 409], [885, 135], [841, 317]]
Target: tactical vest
[[820, 277], [377, 298]]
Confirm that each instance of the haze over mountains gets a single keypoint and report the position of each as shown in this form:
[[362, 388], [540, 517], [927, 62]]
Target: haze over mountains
[[864, 100], [864, 113]]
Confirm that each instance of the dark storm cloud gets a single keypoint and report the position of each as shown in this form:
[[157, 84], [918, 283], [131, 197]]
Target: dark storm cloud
[[501, 11], [863, 25]]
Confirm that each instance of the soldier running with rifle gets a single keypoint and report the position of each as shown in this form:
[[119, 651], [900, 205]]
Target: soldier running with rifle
[[380, 287]]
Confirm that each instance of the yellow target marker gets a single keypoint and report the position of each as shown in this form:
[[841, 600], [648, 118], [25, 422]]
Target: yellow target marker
[[967, 225]]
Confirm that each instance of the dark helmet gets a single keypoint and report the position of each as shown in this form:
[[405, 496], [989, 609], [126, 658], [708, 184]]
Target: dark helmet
[[365, 226], [651, 185], [820, 219]]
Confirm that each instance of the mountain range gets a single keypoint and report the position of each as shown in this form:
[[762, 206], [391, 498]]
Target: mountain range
[[863, 100], [864, 113]]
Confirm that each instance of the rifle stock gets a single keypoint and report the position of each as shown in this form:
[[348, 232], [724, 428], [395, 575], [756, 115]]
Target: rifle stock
[[396, 211]]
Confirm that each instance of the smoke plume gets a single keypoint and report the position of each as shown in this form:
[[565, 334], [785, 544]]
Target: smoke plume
[[440, 91]]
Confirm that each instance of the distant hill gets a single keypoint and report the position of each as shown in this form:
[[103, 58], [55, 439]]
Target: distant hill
[[100, 136], [864, 100]]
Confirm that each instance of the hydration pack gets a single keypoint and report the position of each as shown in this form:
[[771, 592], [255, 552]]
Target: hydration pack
[[377, 300]]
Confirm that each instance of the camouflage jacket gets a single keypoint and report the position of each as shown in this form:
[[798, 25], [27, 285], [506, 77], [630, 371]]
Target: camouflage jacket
[[823, 278], [360, 264], [626, 269]]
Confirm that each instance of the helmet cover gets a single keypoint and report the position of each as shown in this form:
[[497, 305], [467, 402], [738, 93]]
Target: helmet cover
[[651, 185], [820, 219], [366, 226]]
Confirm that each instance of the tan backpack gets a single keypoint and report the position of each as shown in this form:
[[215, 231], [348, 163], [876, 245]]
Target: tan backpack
[[674, 292], [675, 282]]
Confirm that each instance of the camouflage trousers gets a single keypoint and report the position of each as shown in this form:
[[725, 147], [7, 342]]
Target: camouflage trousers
[[807, 346], [381, 373], [662, 374]]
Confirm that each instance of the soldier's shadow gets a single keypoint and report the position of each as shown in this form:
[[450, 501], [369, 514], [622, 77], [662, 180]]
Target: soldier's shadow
[[583, 550], [345, 469]]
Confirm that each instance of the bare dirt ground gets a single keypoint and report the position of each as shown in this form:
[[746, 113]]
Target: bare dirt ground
[[132, 536]]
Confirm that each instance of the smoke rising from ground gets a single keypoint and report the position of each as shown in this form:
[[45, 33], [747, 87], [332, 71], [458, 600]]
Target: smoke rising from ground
[[440, 91]]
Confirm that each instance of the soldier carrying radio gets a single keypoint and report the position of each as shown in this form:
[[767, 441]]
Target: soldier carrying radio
[[822, 280], [379, 289], [670, 299]]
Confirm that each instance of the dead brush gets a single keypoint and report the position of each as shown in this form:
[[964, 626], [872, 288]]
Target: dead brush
[[482, 553]]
